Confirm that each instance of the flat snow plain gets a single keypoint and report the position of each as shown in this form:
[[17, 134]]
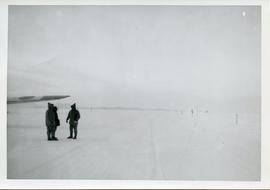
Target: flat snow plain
[[134, 145]]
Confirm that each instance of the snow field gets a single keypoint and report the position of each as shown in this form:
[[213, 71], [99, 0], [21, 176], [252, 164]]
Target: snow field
[[143, 145]]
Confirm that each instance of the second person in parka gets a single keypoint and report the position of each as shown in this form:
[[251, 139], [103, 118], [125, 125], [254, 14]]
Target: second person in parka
[[73, 117]]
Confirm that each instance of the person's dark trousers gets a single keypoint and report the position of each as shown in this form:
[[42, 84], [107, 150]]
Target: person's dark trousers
[[71, 128], [70, 131], [49, 133], [53, 134], [75, 130]]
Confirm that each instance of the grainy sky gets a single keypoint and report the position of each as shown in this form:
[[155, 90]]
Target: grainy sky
[[120, 53]]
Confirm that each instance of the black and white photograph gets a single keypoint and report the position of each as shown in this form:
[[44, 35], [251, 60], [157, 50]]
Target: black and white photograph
[[134, 92]]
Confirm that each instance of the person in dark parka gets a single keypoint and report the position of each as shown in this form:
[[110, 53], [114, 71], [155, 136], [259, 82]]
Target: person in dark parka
[[73, 117], [57, 122], [50, 121]]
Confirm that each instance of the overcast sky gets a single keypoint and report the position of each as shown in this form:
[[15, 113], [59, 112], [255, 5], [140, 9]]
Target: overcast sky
[[131, 51]]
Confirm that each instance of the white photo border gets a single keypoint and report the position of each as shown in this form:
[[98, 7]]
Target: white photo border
[[157, 184]]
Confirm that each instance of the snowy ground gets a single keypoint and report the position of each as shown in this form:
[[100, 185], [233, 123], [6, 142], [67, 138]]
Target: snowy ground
[[150, 145]]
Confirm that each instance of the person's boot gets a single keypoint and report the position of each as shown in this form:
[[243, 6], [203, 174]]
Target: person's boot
[[53, 136], [70, 136], [75, 136], [49, 138], [54, 139]]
